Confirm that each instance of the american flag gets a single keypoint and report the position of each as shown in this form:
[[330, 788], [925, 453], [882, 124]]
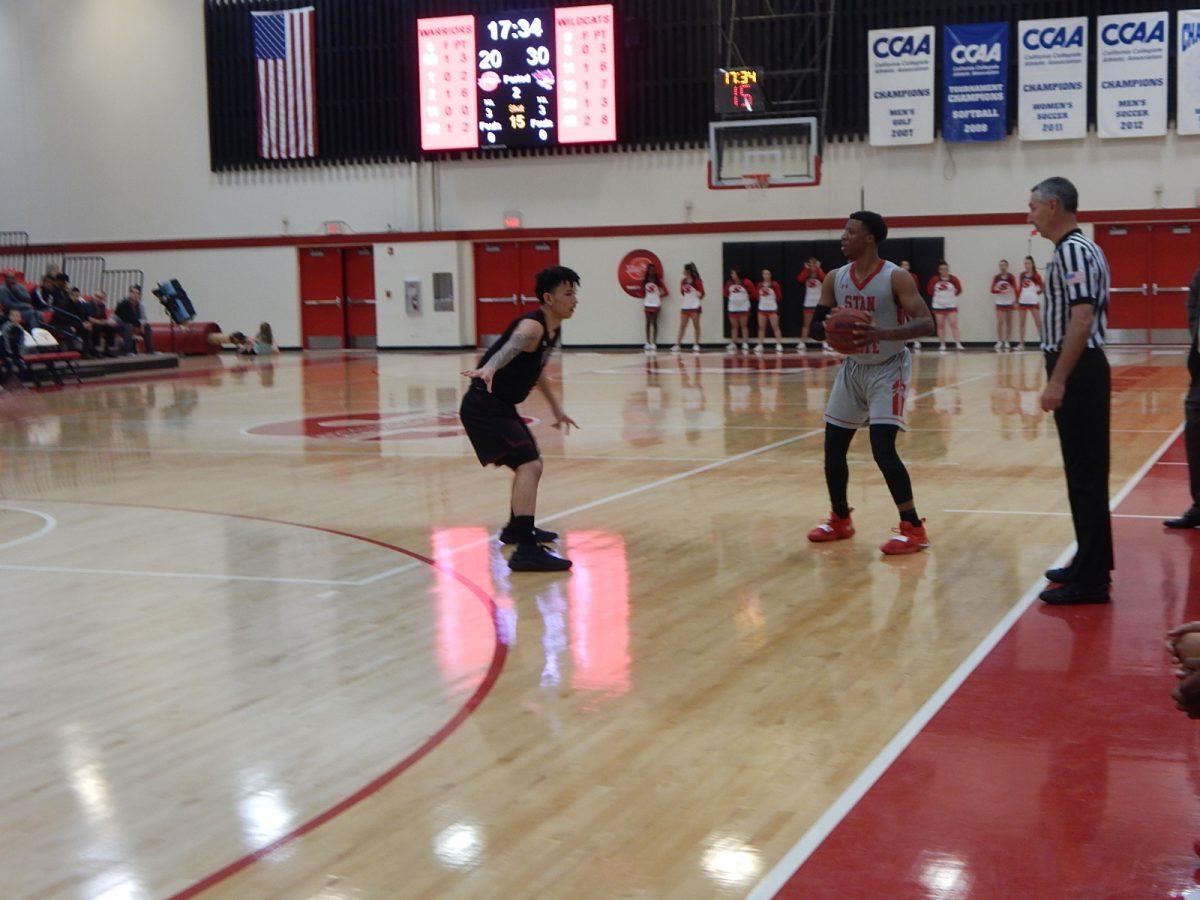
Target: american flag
[[283, 52]]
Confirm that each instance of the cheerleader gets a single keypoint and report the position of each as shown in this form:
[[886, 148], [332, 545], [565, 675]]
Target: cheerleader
[[945, 289], [691, 293], [738, 291], [1029, 298], [653, 292], [811, 278], [1004, 290], [769, 295]]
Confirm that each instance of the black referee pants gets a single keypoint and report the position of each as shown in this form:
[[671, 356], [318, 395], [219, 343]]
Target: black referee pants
[[1191, 430], [1083, 432]]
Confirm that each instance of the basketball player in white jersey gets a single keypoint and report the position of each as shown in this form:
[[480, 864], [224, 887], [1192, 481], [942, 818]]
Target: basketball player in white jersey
[[871, 385]]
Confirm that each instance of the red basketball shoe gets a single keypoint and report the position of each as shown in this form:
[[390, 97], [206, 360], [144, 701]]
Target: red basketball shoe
[[833, 529], [907, 539]]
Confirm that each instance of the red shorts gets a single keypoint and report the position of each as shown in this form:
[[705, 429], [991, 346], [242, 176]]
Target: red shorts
[[690, 312], [944, 312], [652, 311]]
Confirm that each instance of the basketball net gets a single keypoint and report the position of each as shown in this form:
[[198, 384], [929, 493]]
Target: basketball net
[[757, 181]]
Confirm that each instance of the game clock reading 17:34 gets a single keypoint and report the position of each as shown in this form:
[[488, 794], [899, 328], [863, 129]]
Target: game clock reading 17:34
[[526, 78], [515, 60]]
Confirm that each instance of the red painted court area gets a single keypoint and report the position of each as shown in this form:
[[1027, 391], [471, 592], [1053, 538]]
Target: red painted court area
[[1060, 768]]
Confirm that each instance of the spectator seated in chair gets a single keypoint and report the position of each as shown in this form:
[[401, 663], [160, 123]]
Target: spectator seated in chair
[[13, 295], [105, 328], [12, 346], [65, 322], [132, 312]]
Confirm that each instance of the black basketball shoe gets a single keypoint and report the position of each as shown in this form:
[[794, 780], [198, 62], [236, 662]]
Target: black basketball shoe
[[536, 558]]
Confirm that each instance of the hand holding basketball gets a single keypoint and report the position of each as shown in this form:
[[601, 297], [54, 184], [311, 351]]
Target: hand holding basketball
[[848, 330], [1184, 647]]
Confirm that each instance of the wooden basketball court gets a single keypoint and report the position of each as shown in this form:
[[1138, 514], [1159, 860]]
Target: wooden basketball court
[[261, 640]]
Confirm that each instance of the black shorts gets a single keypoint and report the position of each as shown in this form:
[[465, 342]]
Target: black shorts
[[497, 431]]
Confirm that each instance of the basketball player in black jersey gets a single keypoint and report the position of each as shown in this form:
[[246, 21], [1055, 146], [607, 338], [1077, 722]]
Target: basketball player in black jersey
[[505, 376]]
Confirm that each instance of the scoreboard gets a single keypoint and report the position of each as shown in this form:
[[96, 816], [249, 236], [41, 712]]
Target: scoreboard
[[526, 78]]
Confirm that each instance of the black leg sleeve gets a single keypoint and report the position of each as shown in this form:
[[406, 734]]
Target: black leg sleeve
[[837, 472], [883, 448]]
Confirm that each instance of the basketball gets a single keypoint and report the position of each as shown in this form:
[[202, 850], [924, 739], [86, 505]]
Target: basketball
[[840, 328]]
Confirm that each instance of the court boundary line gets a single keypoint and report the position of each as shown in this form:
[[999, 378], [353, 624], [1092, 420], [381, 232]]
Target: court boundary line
[[49, 523], [792, 861], [199, 576]]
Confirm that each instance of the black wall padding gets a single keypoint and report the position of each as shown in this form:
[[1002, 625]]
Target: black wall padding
[[666, 53]]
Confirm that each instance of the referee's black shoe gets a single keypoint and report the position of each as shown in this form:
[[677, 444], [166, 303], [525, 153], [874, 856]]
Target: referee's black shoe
[[1072, 594], [1189, 519], [1063, 576], [536, 558], [508, 535]]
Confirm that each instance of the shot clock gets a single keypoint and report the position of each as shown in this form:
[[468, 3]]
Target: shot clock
[[738, 90], [525, 78]]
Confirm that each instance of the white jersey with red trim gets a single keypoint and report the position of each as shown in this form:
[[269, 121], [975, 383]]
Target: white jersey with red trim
[[689, 295], [768, 296], [874, 295], [1004, 289], [1031, 289], [812, 287], [943, 292], [652, 298], [738, 294]]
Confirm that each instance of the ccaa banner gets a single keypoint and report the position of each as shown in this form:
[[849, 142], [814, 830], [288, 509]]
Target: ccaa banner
[[1131, 75], [975, 88], [1187, 73], [901, 85], [1052, 68]]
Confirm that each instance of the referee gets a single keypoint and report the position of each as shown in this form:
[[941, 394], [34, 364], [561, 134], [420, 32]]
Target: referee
[[1074, 312]]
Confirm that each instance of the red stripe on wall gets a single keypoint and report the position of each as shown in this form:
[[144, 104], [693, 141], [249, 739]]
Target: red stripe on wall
[[947, 221]]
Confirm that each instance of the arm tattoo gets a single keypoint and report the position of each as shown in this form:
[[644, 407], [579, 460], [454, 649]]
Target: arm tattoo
[[514, 347]]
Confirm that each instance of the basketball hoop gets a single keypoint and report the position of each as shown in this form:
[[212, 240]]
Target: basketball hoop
[[757, 181]]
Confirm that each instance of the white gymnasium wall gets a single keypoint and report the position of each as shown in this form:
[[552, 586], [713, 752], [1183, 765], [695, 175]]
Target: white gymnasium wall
[[397, 263], [14, 211], [110, 143], [235, 288]]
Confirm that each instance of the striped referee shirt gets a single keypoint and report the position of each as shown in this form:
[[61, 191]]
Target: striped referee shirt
[[1077, 273]]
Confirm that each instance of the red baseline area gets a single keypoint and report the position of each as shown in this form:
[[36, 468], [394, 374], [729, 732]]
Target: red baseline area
[[1060, 768]]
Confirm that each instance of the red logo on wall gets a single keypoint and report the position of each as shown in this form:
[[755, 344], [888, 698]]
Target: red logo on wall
[[632, 270], [370, 426]]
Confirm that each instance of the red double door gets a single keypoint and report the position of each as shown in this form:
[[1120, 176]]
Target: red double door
[[1151, 268], [337, 297], [504, 283]]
